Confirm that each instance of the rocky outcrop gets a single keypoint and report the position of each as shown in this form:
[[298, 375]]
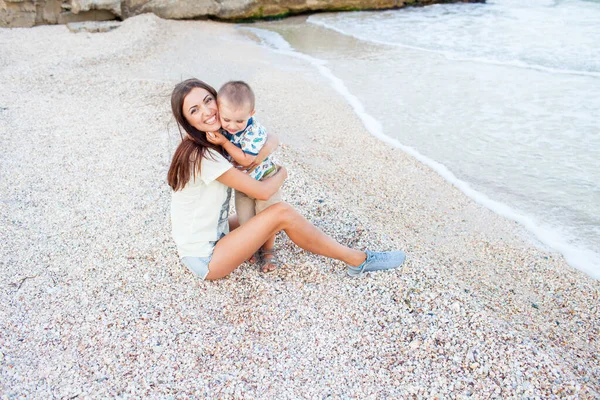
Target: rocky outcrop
[[93, 26], [247, 9], [25, 13]]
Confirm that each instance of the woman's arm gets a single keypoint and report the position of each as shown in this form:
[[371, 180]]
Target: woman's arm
[[260, 190], [270, 146]]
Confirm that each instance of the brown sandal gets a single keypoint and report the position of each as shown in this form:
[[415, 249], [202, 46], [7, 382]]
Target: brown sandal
[[268, 257]]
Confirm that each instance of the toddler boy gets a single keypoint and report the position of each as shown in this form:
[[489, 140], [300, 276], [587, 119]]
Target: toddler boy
[[245, 139]]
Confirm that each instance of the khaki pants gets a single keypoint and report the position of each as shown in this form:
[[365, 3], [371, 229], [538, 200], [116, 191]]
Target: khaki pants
[[247, 207]]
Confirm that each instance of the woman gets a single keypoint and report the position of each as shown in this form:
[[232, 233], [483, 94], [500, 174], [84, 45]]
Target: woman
[[210, 244]]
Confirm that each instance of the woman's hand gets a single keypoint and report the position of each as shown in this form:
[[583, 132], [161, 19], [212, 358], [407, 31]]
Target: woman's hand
[[216, 138], [269, 147], [255, 164], [281, 170]]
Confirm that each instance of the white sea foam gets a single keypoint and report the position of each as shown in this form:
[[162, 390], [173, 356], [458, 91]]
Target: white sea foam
[[455, 56], [577, 256]]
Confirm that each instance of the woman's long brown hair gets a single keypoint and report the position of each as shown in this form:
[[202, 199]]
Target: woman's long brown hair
[[186, 160]]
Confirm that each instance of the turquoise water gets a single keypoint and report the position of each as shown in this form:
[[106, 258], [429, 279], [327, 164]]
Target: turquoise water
[[500, 98]]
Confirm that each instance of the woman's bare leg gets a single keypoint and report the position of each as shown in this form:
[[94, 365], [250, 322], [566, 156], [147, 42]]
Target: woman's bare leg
[[237, 246]]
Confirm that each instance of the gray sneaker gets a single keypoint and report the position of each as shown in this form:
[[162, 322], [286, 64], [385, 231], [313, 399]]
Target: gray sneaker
[[378, 261]]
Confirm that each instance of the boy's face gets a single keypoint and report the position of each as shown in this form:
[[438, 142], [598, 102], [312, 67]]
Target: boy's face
[[234, 119]]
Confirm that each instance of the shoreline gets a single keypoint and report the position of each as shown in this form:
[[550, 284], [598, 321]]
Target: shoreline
[[544, 236], [476, 309]]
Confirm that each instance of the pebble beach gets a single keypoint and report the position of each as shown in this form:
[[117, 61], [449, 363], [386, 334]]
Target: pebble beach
[[97, 305]]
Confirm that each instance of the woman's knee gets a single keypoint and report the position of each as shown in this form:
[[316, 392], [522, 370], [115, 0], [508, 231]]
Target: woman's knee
[[283, 209], [283, 212]]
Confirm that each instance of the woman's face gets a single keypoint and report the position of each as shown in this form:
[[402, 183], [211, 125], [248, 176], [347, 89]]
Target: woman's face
[[200, 110]]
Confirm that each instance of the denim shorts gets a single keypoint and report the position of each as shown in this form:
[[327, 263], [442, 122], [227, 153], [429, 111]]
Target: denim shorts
[[198, 265]]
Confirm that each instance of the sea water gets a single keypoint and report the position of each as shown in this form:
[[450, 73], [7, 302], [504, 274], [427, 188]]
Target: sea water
[[501, 98]]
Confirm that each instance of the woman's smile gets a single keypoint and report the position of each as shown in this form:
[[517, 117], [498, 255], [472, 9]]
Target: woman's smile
[[211, 120]]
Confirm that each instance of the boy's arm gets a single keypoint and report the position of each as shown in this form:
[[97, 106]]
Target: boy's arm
[[235, 152], [244, 159], [253, 140]]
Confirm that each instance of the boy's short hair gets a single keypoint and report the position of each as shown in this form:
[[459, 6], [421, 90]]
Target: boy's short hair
[[238, 93]]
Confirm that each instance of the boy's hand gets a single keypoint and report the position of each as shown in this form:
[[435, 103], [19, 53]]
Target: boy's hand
[[215, 138]]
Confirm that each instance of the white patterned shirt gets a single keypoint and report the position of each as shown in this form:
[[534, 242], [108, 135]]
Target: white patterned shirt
[[250, 141]]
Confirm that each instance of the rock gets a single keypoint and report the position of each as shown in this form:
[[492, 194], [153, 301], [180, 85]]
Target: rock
[[17, 13], [27, 13], [93, 15], [93, 26], [415, 344], [455, 307], [169, 10], [245, 9], [114, 6]]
